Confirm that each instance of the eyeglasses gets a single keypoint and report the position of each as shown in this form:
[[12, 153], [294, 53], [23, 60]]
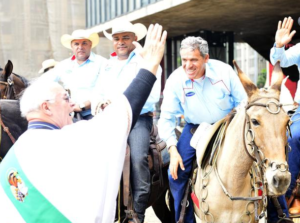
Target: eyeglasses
[[66, 98]]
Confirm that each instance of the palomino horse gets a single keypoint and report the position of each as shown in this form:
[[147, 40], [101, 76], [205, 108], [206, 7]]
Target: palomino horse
[[250, 159], [11, 85]]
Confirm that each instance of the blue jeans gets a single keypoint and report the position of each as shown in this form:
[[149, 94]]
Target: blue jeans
[[294, 155], [178, 186], [139, 140], [294, 166]]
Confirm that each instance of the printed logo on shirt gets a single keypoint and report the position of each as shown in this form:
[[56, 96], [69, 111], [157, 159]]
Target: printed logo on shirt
[[189, 94], [17, 185]]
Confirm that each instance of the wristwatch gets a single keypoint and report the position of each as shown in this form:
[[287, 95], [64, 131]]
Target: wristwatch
[[82, 106]]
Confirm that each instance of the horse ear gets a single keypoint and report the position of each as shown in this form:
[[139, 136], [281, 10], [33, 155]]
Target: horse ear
[[249, 87], [277, 77], [8, 69]]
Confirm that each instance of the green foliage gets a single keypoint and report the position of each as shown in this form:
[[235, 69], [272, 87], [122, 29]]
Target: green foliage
[[261, 79]]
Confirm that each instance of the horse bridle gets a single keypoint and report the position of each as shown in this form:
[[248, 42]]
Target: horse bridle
[[258, 155], [8, 85]]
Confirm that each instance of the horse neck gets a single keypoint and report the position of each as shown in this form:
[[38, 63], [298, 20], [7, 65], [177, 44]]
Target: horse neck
[[233, 161]]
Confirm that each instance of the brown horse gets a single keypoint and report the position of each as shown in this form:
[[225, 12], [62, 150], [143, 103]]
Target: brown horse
[[11, 85], [12, 125], [249, 163]]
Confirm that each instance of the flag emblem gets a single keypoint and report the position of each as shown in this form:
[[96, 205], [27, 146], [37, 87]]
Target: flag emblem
[[17, 185]]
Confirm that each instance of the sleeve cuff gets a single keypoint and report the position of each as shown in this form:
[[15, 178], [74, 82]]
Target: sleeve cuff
[[171, 142]]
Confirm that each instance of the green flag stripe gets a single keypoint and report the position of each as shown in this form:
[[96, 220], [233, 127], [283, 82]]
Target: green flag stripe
[[35, 207]]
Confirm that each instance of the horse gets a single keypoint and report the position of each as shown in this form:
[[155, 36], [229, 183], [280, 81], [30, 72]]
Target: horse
[[12, 125], [11, 84], [250, 159]]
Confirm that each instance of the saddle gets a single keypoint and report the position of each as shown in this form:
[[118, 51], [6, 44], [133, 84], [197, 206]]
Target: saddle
[[203, 140]]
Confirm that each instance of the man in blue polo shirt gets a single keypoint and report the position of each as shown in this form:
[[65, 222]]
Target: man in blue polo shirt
[[203, 90]]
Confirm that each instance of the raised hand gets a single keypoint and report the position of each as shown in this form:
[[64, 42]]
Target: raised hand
[[154, 47], [283, 34]]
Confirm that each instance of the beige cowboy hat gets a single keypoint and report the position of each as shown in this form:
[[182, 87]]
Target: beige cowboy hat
[[66, 39], [47, 64], [127, 27]]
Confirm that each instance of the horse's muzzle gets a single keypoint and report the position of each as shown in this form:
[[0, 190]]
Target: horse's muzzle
[[278, 179]]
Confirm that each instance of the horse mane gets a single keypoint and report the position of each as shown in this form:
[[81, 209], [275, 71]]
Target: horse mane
[[23, 79], [230, 116]]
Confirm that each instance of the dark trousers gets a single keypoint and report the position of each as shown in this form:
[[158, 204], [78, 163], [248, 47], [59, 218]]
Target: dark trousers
[[178, 186], [139, 141]]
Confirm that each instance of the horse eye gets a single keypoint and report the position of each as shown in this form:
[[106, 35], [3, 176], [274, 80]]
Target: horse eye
[[254, 122]]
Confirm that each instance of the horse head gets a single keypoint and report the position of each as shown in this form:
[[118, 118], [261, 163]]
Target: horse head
[[11, 85], [265, 131]]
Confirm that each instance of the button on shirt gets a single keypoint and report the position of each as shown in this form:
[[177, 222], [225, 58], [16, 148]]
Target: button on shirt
[[80, 79], [287, 58], [208, 99], [117, 75]]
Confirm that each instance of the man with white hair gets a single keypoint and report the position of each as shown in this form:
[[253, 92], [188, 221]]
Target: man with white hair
[[203, 90], [80, 72], [47, 176], [115, 77]]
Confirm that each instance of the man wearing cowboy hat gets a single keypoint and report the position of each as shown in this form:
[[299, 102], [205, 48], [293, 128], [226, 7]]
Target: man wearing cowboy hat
[[80, 72], [117, 75], [48, 65]]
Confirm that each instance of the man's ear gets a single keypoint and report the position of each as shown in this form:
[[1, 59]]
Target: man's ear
[[206, 58], [135, 38], [45, 108]]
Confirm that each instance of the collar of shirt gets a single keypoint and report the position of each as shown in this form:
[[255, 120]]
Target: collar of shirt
[[114, 56], [41, 125]]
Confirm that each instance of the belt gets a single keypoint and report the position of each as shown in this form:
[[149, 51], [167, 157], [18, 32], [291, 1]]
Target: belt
[[150, 114]]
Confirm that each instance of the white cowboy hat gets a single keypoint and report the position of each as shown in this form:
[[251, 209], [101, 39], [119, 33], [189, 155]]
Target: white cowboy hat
[[124, 26], [47, 64], [66, 39]]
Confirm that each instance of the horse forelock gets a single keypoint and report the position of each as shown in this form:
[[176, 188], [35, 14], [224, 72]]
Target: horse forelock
[[264, 93]]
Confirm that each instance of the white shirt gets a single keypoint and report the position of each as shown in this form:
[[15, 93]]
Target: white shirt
[[116, 75], [80, 79]]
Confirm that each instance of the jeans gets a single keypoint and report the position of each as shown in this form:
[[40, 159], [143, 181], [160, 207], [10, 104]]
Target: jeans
[[294, 155], [139, 140], [178, 186]]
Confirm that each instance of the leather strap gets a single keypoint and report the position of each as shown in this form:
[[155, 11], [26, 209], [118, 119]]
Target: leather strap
[[6, 129], [127, 192], [282, 217], [186, 195], [126, 177]]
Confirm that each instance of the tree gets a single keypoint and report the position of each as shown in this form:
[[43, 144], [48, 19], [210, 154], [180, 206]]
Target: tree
[[261, 80]]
